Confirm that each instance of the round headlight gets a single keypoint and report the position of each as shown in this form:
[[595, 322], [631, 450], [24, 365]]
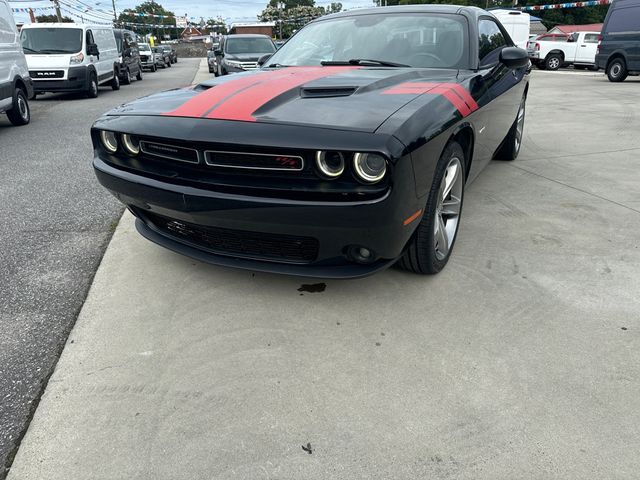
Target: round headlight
[[109, 141], [370, 167], [131, 144], [330, 164]]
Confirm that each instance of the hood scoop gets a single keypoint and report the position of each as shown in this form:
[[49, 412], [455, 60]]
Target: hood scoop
[[327, 92]]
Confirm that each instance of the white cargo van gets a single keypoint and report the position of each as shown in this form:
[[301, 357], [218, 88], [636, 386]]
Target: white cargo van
[[70, 57], [15, 84], [516, 23]]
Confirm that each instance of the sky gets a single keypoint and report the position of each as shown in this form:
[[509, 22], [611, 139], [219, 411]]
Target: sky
[[230, 10]]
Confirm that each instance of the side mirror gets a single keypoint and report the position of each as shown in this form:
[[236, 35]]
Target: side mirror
[[514, 57], [218, 53], [263, 59], [92, 49]]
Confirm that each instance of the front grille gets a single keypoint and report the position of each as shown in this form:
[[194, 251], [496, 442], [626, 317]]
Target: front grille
[[249, 65], [46, 74], [254, 161], [171, 152], [240, 243]]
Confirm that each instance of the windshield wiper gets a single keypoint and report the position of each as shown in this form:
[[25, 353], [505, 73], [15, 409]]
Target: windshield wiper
[[53, 50], [30, 50], [278, 65], [362, 61]]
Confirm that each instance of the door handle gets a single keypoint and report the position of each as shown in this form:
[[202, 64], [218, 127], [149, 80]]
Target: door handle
[[583, 45]]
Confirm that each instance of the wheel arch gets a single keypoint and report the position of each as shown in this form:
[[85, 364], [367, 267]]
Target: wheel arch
[[555, 52], [618, 54], [464, 135]]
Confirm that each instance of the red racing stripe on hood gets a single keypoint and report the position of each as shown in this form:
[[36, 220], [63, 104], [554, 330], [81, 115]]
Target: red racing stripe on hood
[[455, 93], [238, 99]]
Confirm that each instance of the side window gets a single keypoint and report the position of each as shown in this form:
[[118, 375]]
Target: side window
[[624, 20], [591, 38], [90, 39], [491, 42]]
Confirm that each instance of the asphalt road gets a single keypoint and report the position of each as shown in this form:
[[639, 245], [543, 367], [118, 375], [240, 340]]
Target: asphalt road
[[55, 222], [521, 360]]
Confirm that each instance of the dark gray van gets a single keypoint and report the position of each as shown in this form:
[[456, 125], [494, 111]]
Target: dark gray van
[[129, 64], [619, 49]]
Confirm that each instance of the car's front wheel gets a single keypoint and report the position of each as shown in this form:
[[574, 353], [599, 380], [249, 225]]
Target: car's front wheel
[[139, 75], [115, 83], [617, 70], [430, 247], [19, 114], [553, 62]]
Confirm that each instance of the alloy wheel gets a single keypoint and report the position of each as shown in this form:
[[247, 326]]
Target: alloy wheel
[[23, 108], [520, 125], [448, 208]]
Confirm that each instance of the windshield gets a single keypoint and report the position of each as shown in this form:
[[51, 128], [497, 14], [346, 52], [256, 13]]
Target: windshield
[[236, 46], [143, 47], [51, 40], [418, 40]]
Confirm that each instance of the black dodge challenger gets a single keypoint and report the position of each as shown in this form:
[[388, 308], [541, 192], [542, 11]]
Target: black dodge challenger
[[348, 151]]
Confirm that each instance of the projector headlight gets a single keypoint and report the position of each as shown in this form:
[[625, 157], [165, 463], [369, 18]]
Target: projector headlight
[[369, 167], [330, 164], [131, 144], [109, 141]]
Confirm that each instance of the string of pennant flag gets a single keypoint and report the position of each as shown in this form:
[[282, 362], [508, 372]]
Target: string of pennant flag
[[590, 3], [35, 9]]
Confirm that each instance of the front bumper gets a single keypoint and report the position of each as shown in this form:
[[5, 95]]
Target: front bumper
[[332, 226], [77, 80]]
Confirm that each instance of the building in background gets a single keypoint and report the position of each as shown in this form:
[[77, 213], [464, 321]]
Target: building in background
[[260, 28], [592, 27]]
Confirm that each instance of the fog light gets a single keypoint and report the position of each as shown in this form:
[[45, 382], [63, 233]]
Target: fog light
[[330, 164], [370, 167], [131, 144], [109, 141], [361, 254]]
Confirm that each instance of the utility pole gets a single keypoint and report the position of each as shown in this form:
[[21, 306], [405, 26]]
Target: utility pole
[[58, 14], [115, 15]]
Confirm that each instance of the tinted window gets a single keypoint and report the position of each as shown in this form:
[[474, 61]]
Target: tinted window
[[51, 40], [236, 46], [491, 41], [624, 20], [417, 40], [591, 38]]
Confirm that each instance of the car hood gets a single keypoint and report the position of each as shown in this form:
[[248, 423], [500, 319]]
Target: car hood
[[345, 98]]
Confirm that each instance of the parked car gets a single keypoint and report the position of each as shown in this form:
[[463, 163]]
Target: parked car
[[239, 53], [619, 48], [70, 57], [129, 64], [516, 23], [578, 50], [212, 62], [164, 55], [352, 157], [173, 54], [16, 86], [279, 43], [149, 59], [551, 37]]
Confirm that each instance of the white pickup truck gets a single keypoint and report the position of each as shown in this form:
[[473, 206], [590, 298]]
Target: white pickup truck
[[579, 50]]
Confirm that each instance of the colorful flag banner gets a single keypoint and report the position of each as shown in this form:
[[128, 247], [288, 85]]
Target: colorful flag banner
[[590, 3]]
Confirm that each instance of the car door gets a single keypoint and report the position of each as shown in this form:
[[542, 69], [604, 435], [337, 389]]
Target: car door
[[8, 56], [127, 53], [497, 84], [93, 59], [586, 50]]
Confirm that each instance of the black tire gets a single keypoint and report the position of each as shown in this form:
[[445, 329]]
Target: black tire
[[553, 62], [127, 77], [115, 83], [580, 67], [420, 255], [92, 88], [617, 70], [154, 68], [510, 147], [139, 75], [169, 64], [19, 114], [210, 70]]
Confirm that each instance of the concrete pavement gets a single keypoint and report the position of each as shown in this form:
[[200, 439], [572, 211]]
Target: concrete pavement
[[520, 360], [55, 223]]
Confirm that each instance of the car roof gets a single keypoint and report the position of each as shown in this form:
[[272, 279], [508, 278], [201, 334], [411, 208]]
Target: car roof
[[247, 35], [431, 8], [65, 25]]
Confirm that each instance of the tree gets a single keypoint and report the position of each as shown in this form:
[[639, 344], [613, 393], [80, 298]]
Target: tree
[[216, 25], [152, 14], [295, 15], [289, 4], [52, 19]]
